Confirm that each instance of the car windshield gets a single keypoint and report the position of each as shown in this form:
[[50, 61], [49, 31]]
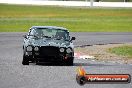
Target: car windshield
[[50, 33]]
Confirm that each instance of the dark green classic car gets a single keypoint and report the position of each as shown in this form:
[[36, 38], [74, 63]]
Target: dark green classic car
[[48, 44]]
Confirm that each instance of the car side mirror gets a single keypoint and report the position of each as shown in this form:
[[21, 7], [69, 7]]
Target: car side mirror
[[73, 38]]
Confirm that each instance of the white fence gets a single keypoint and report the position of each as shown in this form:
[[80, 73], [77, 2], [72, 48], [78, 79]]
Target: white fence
[[70, 3]]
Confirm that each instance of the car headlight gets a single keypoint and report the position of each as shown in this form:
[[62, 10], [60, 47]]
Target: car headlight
[[36, 48], [62, 49], [29, 48], [68, 50]]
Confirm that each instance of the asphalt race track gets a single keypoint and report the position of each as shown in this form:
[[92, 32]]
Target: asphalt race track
[[14, 75], [93, 38]]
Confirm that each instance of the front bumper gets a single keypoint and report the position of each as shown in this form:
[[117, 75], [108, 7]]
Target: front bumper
[[49, 54], [49, 58]]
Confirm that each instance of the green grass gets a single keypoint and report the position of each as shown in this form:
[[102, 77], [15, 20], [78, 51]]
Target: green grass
[[19, 18], [123, 51]]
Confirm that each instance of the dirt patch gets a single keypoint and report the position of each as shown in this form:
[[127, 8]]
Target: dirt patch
[[100, 52]]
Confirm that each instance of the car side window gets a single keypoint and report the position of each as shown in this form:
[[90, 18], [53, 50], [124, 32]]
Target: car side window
[[37, 32]]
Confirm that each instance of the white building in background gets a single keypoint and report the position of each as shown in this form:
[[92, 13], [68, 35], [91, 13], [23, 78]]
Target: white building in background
[[69, 3]]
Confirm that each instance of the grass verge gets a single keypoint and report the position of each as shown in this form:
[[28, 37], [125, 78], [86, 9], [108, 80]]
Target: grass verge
[[122, 50], [19, 18]]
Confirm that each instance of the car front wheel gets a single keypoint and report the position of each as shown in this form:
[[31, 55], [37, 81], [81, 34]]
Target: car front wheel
[[25, 60], [70, 61]]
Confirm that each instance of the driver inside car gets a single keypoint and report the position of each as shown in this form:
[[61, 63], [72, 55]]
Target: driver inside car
[[60, 35]]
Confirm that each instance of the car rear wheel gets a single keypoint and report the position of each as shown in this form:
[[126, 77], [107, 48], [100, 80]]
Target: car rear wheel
[[25, 60]]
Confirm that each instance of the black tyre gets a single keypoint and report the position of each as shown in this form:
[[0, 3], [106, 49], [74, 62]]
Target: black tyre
[[37, 62], [25, 60], [70, 62]]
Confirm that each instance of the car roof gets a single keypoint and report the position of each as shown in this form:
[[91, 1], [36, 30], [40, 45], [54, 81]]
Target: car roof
[[49, 27]]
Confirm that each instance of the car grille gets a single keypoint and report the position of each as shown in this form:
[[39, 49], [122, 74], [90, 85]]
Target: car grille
[[49, 51]]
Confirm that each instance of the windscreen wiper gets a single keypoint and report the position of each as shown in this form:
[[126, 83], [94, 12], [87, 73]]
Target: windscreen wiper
[[47, 36], [33, 36]]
